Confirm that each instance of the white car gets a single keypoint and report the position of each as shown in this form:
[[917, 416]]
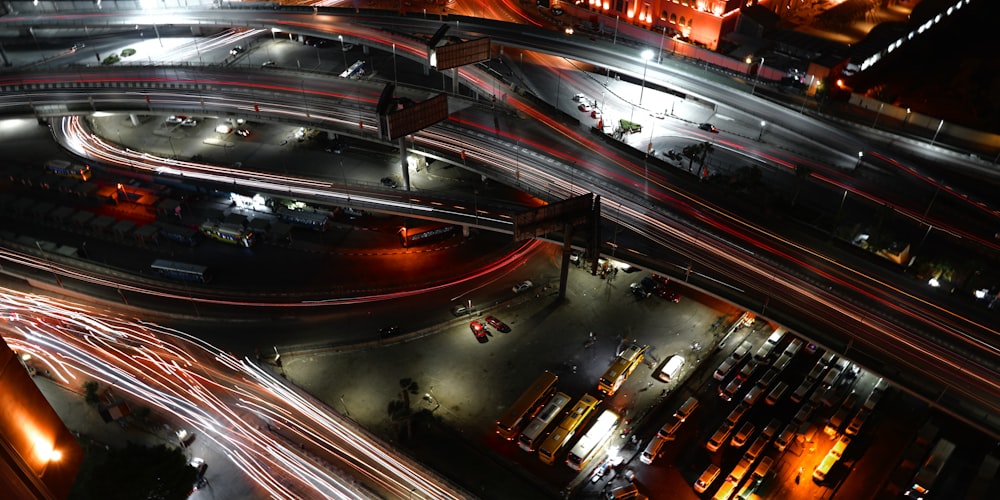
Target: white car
[[522, 286], [174, 120], [580, 98], [585, 107], [189, 122]]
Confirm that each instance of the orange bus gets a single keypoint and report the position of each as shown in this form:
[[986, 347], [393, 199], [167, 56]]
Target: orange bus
[[526, 406]]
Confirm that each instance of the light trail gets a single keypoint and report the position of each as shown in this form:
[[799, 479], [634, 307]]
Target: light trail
[[225, 400]]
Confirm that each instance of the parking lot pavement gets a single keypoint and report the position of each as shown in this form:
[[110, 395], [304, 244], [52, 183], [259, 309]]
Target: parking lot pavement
[[473, 383]]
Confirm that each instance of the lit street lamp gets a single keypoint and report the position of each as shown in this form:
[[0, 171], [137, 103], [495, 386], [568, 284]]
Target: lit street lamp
[[861, 154], [761, 135], [646, 56]]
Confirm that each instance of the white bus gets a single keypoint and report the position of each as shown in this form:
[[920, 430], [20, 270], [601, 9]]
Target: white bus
[[592, 441], [533, 432]]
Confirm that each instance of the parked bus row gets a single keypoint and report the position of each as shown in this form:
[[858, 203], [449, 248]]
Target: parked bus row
[[540, 406]]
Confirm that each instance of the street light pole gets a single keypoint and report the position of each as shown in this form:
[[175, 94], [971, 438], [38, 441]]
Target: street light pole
[[614, 41], [394, 82], [646, 56], [659, 54], [756, 76], [861, 154], [760, 137]]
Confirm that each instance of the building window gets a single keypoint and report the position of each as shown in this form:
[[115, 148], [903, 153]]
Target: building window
[[673, 18], [682, 21]]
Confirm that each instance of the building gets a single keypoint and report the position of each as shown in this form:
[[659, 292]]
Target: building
[[39, 456]]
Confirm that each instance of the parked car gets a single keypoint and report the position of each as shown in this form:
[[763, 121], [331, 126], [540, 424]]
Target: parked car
[[189, 122], [242, 132], [389, 182], [580, 98], [522, 286], [595, 113], [585, 107], [496, 323], [174, 120], [236, 50], [479, 331], [267, 63], [336, 148], [668, 294], [708, 127], [462, 310]]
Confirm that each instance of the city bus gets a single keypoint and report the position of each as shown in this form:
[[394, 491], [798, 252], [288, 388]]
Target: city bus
[[311, 220], [424, 235], [67, 169], [526, 406], [533, 432], [620, 369], [925, 478], [576, 419], [180, 270], [233, 234], [355, 71], [593, 441]]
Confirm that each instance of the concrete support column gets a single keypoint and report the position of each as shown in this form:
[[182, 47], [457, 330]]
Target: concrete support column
[[403, 167], [454, 81], [132, 117], [3, 55]]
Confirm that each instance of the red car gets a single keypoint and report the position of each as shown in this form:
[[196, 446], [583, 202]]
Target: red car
[[663, 280], [668, 294], [496, 323], [479, 331]]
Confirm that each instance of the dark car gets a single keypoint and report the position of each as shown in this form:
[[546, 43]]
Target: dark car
[[708, 127], [663, 280], [389, 182], [461, 310], [236, 50], [200, 466], [337, 148], [242, 132], [496, 323], [389, 331], [479, 331]]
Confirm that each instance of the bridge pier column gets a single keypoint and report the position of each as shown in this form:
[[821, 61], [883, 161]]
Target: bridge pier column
[[3, 55], [404, 168], [134, 119]]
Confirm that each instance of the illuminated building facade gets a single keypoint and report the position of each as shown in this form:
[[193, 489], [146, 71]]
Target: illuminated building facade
[[39, 456], [702, 22]]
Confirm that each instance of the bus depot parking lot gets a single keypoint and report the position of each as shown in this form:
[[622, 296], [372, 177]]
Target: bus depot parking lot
[[461, 406]]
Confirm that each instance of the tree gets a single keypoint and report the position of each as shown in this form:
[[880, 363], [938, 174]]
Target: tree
[[158, 472], [90, 392]]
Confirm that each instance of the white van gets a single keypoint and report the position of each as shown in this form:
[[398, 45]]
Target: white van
[[652, 450], [669, 430], [742, 351], [724, 369], [707, 478], [719, 437], [782, 362], [687, 408], [776, 337], [776, 394], [671, 368], [793, 347], [754, 450], [785, 438], [741, 436], [753, 395], [737, 413], [624, 492], [802, 390]]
